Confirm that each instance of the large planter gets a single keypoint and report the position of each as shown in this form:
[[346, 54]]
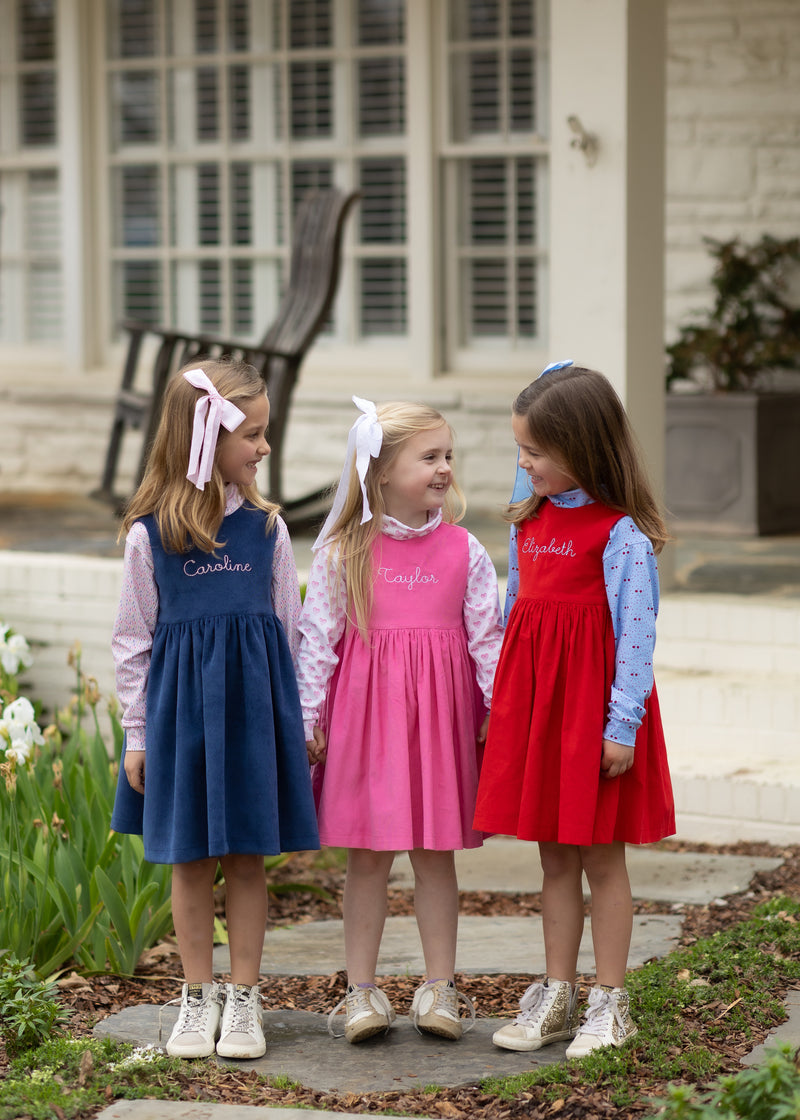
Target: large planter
[[733, 462]]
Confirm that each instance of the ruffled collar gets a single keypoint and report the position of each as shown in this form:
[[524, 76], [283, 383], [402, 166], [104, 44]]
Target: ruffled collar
[[571, 499], [233, 498], [400, 532]]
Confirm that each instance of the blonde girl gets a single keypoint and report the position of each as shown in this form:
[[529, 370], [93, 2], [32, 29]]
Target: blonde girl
[[575, 756], [214, 769], [400, 630]]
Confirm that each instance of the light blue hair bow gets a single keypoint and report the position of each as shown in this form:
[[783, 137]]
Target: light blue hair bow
[[556, 365]]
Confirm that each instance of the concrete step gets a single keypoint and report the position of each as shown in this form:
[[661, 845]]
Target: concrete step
[[729, 634]]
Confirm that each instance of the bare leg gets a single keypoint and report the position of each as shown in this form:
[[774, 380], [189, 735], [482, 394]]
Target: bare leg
[[612, 910], [436, 908], [246, 913], [193, 915], [364, 911], [562, 908]]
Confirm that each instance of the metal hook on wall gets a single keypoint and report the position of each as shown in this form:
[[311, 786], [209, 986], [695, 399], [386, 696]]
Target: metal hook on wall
[[584, 141]]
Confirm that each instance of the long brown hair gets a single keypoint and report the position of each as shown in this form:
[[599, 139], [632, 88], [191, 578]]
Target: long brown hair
[[351, 542], [575, 417], [188, 517]]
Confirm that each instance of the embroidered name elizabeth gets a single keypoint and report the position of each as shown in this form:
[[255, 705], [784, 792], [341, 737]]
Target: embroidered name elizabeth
[[411, 579], [534, 550], [191, 568]]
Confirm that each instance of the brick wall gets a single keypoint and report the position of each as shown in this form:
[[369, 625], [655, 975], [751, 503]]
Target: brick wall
[[733, 133]]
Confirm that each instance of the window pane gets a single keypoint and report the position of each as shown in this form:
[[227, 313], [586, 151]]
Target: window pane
[[36, 30], [133, 28], [487, 206], [383, 297], [44, 302], [43, 213], [242, 296], [311, 99], [526, 299], [205, 26], [526, 202], [137, 211], [241, 204], [521, 91], [381, 86], [238, 25], [37, 96], [140, 295], [309, 175], [380, 21], [239, 98], [135, 96], [522, 18], [474, 19], [484, 92], [210, 277], [207, 104], [208, 205], [310, 23], [488, 293], [383, 203]]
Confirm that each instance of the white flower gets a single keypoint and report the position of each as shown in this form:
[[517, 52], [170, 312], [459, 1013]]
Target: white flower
[[18, 752], [15, 653], [19, 728]]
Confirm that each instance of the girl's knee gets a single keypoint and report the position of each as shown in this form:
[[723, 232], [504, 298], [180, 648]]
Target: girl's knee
[[243, 868], [432, 865], [365, 863], [559, 860]]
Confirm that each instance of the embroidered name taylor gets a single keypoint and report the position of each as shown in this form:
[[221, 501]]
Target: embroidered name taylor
[[534, 550], [191, 568], [410, 579]]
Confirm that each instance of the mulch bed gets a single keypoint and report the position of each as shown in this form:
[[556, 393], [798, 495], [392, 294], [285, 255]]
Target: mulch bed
[[158, 979]]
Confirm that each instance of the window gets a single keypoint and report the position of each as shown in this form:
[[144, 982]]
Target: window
[[494, 169], [223, 115], [31, 278]]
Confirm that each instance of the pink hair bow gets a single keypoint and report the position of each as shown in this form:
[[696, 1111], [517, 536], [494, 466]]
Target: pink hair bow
[[210, 411]]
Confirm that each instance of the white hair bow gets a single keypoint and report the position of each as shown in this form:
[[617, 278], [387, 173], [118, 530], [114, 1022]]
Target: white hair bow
[[364, 442], [210, 411]]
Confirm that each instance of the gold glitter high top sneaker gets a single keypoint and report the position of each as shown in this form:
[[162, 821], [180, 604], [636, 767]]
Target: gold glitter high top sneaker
[[607, 1022], [547, 1013]]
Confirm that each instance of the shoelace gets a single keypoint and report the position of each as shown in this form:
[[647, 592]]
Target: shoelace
[[363, 1003], [530, 1005], [439, 1000], [241, 1021], [196, 1012], [602, 1008]]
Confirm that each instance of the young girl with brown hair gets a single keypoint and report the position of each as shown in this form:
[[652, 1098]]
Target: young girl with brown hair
[[575, 756]]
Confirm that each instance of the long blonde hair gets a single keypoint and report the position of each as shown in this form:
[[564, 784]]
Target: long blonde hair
[[350, 543], [575, 417], [188, 517]]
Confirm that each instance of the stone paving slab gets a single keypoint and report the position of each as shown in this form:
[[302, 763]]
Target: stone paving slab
[[300, 1048], [486, 946], [694, 878], [203, 1110]]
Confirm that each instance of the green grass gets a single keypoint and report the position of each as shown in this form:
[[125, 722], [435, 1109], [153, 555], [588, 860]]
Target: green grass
[[685, 1006]]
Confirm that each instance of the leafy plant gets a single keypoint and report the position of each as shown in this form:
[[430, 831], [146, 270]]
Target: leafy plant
[[769, 1091], [753, 325], [29, 1008], [73, 890]]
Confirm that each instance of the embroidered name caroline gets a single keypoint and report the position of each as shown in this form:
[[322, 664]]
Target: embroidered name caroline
[[531, 548], [388, 575], [191, 568]]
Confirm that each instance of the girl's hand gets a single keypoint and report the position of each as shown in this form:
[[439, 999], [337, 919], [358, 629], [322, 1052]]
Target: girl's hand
[[616, 759], [134, 770], [317, 747], [484, 727]]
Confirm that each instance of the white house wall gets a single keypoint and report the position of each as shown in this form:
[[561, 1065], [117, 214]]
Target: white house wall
[[732, 164]]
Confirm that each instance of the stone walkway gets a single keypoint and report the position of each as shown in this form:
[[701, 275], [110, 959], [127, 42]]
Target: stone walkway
[[299, 1047]]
